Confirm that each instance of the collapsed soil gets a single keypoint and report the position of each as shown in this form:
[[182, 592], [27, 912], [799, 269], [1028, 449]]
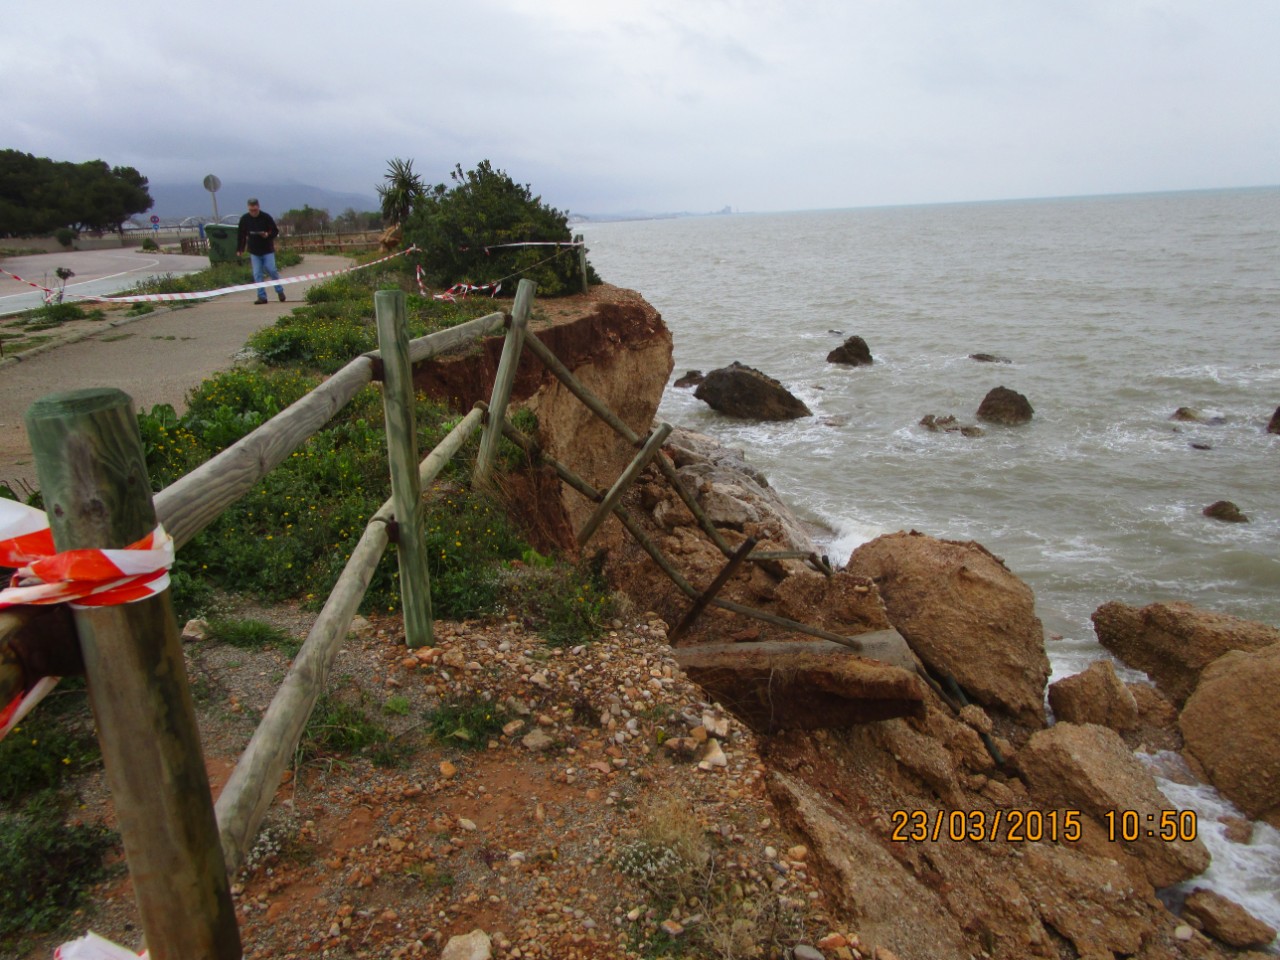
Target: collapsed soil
[[523, 835]]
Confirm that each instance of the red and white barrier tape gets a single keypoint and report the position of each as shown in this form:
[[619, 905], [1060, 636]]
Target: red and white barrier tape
[[83, 578], [207, 294], [459, 291], [48, 294]]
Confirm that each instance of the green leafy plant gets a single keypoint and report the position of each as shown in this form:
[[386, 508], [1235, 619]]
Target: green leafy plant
[[566, 604], [458, 227], [48, 866], [466, 724], [338, 728]]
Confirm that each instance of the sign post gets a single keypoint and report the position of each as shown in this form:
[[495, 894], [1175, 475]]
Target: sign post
[[213, 185]]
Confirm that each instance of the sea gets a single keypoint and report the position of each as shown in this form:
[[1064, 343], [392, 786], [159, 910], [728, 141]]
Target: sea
[[1107, 313]]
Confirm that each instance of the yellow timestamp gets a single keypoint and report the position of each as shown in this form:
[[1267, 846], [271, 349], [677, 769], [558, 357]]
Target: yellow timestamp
[[1008, 826], [1037, 826]]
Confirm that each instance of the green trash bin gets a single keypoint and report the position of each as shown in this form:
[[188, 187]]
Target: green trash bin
[[222, 242]]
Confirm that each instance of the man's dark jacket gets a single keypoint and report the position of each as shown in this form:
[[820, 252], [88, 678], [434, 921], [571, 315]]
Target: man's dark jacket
[[250, 227]]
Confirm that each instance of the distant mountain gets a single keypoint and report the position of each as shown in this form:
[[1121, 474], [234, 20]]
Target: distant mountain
[[175, 201]]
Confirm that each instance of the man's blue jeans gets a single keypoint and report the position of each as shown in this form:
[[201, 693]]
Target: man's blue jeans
[[265, 264]]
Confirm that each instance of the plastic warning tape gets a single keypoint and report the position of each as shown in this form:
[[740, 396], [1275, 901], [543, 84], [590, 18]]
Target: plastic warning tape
[[30, 283], [83, 578], [208, 294]]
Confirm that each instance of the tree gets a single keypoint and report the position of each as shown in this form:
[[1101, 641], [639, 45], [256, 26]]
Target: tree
[[403, 188], [39, 195], [352, 219], [306, 220], [458, 227]]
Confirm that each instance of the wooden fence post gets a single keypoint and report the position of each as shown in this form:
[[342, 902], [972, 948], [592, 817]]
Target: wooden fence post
[[582, 261], [503, 381], [89, 461], [402, 455]]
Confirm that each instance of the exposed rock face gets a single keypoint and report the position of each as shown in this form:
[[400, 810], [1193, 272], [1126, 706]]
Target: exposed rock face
[[691, 379], [1005, 406], [1096, 695], [841, 603], [893, 907], [989, 358], [1229, 724], [965, 614], [616, 344], [734, 494], [1187, 415], [1226, 920], [1089, 768], [1274, 425], [853, 352], [803, 685], [1172, 642], [740, 391], [1225, 510]]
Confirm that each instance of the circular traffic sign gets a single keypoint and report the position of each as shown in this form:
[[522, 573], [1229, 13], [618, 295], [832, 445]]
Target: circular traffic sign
[[154, 218], [212, 183]]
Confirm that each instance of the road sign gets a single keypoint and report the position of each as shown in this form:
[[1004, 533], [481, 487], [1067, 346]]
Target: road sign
[[212, 183], [155, 219]]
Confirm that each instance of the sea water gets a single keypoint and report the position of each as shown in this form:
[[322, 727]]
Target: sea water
[[1112, 313]]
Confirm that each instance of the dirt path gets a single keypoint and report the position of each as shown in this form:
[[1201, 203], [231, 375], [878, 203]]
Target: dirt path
[[155, 358]]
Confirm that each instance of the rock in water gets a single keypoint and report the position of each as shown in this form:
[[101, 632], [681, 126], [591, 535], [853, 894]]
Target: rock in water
[[1002, 405], [740, 391], [1224, 510], [854, 352]]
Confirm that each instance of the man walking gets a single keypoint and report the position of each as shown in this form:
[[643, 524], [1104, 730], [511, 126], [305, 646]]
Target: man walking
[[257, 233]]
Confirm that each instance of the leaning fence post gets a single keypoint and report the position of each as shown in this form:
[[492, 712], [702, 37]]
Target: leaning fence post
[[503, 382], [402, 455], [89, 461]]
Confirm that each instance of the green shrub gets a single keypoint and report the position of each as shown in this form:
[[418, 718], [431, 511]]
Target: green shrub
[[47, 866], [337, 728], [455, 227], [65, 236], [150, 245], [466, 724], [47, 747], [566, 604]]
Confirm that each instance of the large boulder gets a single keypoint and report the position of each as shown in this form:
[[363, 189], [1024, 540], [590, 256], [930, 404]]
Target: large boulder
[[804, 685], [965, 614], [1089, 768], [1095, 695], [1172, 642], [1226, 511], [853, 352], [741, 391], [1274, 425], [1229, 725], [1002, 405]]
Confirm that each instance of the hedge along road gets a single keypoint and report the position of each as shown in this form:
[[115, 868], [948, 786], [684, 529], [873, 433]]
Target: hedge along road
[[155, 358]]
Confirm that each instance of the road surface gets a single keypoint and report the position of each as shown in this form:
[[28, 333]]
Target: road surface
[[97, 273]]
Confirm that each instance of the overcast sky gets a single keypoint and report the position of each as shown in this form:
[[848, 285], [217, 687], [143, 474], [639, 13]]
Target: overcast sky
[[607, 106]]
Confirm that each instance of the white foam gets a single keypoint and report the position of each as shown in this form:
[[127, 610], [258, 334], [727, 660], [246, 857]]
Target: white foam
[[1247, 873]]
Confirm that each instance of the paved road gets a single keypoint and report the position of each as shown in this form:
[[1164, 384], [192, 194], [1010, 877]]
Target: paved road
[[155, 359], [97, 273]]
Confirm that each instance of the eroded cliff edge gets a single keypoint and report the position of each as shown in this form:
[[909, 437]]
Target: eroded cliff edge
[[930, 843]]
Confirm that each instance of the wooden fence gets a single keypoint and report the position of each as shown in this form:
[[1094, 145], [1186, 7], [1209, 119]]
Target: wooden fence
[[357, 242], [179, 845]]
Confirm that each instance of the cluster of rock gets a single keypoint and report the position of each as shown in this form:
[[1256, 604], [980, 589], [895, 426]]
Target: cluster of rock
[[744, 392], [860, 752]]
